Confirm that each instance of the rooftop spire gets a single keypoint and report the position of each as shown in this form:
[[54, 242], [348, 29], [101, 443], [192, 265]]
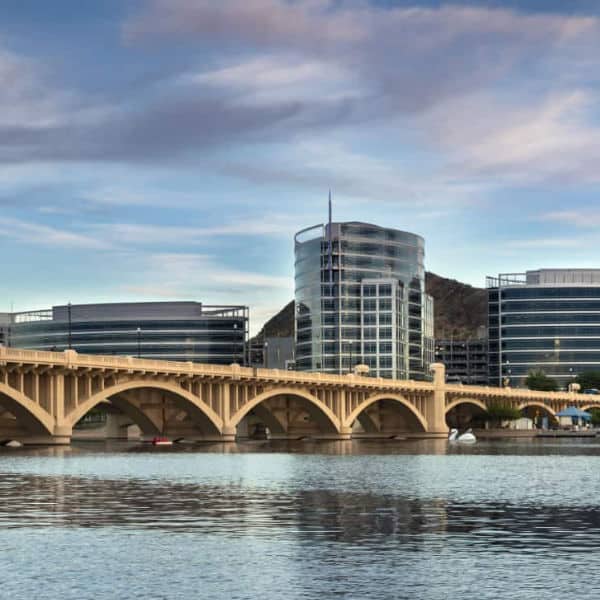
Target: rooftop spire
[[329, 248]]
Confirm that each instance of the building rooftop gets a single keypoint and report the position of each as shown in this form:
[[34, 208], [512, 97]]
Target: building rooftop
[[112, 311], [547, 277]]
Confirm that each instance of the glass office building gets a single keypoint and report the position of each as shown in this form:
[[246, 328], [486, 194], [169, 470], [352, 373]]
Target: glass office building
[[179, 331], [5, 319], [360, 298], [466, 361], [547, 319]]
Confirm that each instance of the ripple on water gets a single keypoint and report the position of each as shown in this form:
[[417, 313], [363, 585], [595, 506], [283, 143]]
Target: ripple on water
[[244, 525]]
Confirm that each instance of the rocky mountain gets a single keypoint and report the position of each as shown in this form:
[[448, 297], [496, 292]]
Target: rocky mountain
[[459, 311], [281, 325]]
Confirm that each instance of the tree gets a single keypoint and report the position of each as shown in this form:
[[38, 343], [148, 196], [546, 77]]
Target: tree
[[589, 380], [498, 413], [538, 380], [595, 412]]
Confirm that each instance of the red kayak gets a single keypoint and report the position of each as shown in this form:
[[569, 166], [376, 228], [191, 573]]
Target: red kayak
[[161, 441]]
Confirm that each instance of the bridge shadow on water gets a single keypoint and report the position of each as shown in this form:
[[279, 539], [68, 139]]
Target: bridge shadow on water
[[354, 518], [299, 508]]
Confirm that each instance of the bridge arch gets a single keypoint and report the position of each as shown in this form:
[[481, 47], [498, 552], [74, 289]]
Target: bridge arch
[[394, 397], [29, 414], [591, 405], [197, 409], [461, 412], [323, 415], [538, 405], [472, 401]]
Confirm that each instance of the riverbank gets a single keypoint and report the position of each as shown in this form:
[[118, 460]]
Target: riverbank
[[532, 433]]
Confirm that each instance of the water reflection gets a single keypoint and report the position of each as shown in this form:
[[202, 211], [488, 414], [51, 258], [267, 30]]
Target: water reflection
[[377, 520], [310, 515], [414, 447]]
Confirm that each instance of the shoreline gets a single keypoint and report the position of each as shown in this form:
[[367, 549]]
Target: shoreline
[[532, 433]]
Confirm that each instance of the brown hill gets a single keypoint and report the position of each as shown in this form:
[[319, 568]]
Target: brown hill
[[281, 325], [459, 310]]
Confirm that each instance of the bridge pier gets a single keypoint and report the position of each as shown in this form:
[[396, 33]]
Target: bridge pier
[[60, 437], [228, 434], [437, 413], [45, 440], [346, 434]]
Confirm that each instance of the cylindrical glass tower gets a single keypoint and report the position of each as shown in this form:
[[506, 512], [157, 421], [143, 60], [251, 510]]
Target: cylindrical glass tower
[[360, 298]]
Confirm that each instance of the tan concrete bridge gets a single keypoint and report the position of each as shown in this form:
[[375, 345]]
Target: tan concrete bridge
[[44, 394]]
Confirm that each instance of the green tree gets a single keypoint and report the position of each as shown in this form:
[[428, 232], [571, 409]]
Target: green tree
[[538, 380], [589, 380], [595, 412], [498, 413]]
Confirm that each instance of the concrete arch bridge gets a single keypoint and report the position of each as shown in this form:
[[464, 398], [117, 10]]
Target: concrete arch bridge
[[43, 395]]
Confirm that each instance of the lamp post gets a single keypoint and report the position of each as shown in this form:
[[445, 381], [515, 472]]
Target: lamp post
[[266, 355], [508, 374], [235, 352], [571, 377], [350, 371], [139, 342]]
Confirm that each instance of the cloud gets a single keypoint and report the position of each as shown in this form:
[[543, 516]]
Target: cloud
[[25, 99], [546, 243], [270, 79], [148, 234], [204, 277], [123, 236], [356, 175], [478, 83], [575, 218], [553, 141], [270, 22], [473, 88], [181, 271], [412, 57], [44, 235]]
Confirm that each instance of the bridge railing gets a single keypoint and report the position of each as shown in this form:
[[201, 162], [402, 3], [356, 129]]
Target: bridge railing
[[507, 392], [73, 359]]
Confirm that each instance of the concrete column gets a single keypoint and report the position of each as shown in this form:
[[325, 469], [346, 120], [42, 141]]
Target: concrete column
[[62, 434], [340, 405], [437, 414], [75, 390], [36, 388], [224, 394], [228, 432], [58, 397]]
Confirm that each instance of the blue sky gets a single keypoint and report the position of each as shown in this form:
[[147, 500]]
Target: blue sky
[[168, 149]]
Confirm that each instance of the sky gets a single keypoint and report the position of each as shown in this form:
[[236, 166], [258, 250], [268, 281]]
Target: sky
[[169, 149]]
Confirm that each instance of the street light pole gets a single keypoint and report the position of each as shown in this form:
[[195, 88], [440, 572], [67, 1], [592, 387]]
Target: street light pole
[[139, 342], [350, 371], [235, 352], [266, 355], [570, 385]]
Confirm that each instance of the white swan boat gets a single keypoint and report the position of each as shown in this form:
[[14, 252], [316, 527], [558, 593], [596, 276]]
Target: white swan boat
[[468, 437]]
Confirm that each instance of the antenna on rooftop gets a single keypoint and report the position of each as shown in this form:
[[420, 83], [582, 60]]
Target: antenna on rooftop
[[329, 248]]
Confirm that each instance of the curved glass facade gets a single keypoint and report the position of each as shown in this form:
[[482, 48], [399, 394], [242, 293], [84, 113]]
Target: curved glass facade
[[548, 320], [179, 331], [360, 298]]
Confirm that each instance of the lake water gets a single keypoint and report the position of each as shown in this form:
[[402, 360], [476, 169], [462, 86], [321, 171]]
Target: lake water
[[364, 520]]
